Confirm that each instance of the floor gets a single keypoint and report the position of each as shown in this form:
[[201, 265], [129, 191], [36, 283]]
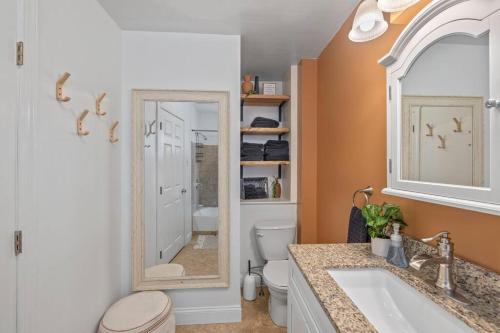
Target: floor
[[255, 320], [197, 262]]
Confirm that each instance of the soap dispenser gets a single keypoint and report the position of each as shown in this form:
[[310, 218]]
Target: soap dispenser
[[396, 254]]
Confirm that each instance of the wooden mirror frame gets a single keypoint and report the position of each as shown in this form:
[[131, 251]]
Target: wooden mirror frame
[[139, 280]]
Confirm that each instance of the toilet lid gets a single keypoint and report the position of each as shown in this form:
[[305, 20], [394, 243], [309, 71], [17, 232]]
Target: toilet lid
[[163, 270], [137, 312], [276, 273]]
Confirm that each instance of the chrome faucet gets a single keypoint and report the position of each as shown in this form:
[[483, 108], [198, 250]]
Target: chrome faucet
[[444, 259]]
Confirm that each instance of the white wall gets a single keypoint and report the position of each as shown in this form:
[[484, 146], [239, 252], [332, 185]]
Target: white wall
[[192, 62], [72, 258]]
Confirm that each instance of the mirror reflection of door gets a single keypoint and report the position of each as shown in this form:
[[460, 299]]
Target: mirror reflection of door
[[444, 122], [181, 219]]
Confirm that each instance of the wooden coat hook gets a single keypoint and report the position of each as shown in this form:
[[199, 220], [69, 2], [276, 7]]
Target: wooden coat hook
[[431, 130], [59, 88], [459, 125], [443, 142], [98, 105], [112, 138], [79, 124]]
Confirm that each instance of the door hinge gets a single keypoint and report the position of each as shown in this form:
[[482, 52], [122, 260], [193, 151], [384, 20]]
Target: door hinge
[[161, 125], [390, 165], [20, 53], [161, 190], [390, 93], [161, 254], [18, 242]]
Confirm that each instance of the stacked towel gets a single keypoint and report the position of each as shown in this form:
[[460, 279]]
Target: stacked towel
[[276, 150], [253, 192], [252, 151], [264, 122]]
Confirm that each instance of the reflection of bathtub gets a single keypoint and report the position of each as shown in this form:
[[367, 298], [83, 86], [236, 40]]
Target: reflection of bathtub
[[206, 219]]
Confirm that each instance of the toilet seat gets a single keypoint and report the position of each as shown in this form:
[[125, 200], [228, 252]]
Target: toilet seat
[[276, 274], [160, 271], [137, 313]]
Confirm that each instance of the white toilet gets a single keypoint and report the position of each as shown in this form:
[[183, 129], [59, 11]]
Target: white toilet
[[273, 238]]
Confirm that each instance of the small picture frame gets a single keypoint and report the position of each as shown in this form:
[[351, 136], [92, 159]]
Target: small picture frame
[[269, 88]]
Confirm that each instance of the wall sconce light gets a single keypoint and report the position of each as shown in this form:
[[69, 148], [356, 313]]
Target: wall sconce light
[[391, 6], [368, 23]]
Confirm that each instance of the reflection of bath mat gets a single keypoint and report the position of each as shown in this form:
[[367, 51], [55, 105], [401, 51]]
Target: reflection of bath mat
[[206, 242]]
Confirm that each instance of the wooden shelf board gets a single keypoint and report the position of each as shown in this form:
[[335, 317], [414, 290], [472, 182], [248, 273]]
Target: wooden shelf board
[[264, 100], [263, 163], [264, 131]]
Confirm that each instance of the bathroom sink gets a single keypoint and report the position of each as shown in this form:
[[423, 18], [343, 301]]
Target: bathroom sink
[[391, 305]]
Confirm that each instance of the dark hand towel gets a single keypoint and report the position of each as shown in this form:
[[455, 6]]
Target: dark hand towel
[[358, 233], [264, 122]]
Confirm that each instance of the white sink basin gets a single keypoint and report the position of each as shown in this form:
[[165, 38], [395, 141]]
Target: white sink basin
[[391, 305]]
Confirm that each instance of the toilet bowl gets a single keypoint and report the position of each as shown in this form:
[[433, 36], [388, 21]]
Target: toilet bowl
[[144, 312], [273, 238]]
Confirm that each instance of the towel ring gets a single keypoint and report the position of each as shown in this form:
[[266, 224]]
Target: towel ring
[[367, 192]]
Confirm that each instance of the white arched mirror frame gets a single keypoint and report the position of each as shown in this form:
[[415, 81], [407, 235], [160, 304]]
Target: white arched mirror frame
[[442, 18]]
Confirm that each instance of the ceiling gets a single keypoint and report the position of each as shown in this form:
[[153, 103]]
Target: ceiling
[[275, 33]]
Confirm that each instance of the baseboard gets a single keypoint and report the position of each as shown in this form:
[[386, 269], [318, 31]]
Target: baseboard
[[208, 315]]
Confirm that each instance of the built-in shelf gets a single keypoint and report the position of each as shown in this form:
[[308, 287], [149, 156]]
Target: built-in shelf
[[263, 163], [268, 201], [264, 131], [264, 100]]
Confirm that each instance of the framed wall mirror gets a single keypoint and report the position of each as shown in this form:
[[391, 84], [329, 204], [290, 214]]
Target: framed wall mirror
[[444, 106], [180, 168]]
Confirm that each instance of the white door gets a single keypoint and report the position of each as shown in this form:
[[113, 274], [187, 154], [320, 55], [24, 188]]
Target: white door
[[8, 166], [170, 217]]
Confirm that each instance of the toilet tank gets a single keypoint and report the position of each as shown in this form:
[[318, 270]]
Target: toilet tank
[[273, 238]]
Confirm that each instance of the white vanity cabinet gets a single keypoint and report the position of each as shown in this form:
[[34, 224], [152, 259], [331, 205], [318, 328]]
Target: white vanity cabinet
[[305, 314]]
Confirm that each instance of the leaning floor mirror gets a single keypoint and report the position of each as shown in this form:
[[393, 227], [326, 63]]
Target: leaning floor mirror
[[180, 168]]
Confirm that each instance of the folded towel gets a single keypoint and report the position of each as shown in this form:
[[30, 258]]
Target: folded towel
[[358, 233], [251, 151], [276, 150], [264, 122]]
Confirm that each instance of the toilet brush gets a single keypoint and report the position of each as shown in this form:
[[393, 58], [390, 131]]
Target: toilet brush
[[249, 290]]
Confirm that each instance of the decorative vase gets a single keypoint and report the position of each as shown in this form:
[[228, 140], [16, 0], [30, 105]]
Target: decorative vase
[[276, 188], [380, 246], [247, 85]]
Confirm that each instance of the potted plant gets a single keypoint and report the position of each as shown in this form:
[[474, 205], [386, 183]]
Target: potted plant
[[379, 220]]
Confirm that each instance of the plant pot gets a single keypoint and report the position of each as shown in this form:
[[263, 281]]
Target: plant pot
[[380, 246]]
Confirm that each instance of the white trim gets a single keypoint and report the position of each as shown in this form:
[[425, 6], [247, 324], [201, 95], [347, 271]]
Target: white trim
[[439, 200], [427, 14], [208, 315]]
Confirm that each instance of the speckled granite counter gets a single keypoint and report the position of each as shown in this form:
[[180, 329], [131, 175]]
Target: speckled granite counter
[[314, 260]]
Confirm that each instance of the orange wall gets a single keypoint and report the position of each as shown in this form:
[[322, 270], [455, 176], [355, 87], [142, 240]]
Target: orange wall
[[351, 137], [307, 183]]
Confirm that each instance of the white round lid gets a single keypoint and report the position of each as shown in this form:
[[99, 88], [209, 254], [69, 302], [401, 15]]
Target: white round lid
[[137, 310], [276, 273], [165, 270], [276, 224]]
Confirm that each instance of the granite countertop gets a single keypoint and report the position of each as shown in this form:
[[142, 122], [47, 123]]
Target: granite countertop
[[314, 260]]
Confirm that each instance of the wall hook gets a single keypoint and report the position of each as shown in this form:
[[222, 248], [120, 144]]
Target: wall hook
[[459, 125], [59, 88], [443, 142], [431, 130], [79, 124], [98, 105], [112, 138]]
